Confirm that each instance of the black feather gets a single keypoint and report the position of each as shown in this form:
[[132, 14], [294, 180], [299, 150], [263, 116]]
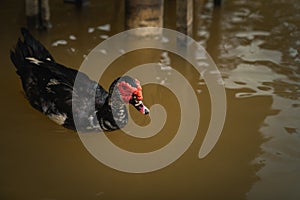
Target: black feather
[[34, 47], [49, 87], [28, 47]]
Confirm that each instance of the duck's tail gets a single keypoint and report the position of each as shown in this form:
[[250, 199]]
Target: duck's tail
[[28, 49]]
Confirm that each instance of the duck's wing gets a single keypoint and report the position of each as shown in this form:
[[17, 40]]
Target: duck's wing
[[49, 87]]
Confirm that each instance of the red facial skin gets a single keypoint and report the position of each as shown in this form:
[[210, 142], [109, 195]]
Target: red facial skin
[[127, 90]]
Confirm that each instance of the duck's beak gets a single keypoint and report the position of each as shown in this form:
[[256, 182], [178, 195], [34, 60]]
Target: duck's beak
[[141, 107]]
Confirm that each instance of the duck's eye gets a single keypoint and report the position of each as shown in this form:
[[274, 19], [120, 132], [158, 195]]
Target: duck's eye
[[136, 98]]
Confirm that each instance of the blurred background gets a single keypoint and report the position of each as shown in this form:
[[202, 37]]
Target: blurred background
[[255, 45]]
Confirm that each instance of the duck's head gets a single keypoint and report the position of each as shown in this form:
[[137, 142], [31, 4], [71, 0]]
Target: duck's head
[[129, 91]]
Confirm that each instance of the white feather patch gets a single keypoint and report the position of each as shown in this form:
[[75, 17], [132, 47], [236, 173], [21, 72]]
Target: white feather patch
[[34, 60], [59, 119], [52, 81]]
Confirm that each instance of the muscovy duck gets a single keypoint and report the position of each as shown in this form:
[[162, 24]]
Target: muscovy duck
[[49, 87]]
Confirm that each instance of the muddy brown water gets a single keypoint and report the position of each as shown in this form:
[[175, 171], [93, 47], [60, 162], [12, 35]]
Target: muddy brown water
[[256, 46]]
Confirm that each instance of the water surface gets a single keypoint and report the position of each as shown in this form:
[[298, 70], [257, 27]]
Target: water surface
[[256, 47]]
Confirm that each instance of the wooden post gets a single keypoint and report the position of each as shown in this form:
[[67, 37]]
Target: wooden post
[[184, 16], [32, 13], [38, 14], [217, 2], [144, 13], [78, 3], [45, 14]]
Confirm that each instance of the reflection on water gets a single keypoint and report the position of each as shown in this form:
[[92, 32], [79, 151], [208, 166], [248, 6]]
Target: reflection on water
[[259, 51], [255, 44], [253, 77]]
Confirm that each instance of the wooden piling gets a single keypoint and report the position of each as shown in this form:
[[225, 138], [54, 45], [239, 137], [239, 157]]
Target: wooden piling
[[217, 3], [44, 10], [32, 13], [38, 14], [144, 13], [184, 16]]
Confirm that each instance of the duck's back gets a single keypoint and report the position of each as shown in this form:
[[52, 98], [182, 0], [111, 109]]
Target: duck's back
[[49, 86]]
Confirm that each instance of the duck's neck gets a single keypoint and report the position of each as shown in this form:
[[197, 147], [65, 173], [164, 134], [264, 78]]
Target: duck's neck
[[113, 114], [119, 110]]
